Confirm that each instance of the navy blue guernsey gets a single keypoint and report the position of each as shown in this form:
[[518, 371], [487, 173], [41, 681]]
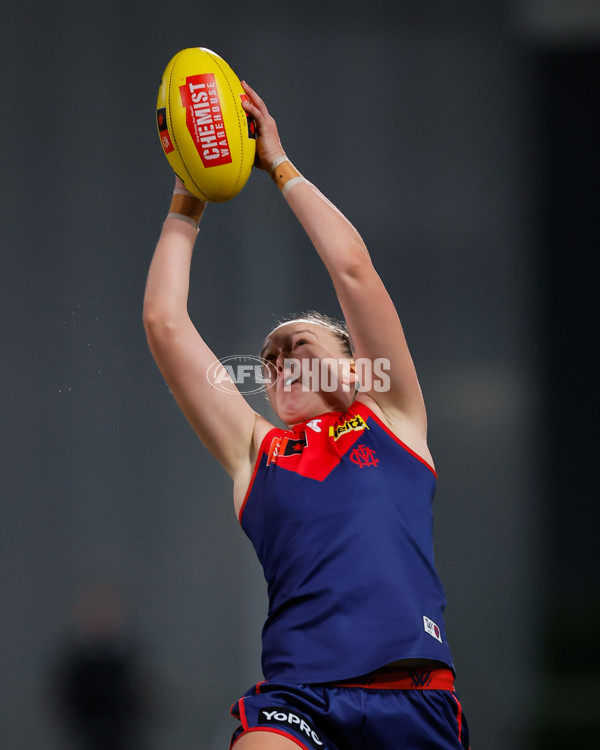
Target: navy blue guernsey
[[339, 511]]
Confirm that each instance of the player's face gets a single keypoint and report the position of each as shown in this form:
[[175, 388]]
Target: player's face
[[309, 371]]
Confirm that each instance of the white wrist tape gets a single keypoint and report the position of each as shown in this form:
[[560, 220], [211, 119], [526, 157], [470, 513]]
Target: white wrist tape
[[290, 184], [276, 162], [181, 217]]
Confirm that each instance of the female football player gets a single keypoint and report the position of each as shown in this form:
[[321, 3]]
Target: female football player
[[337, 502]]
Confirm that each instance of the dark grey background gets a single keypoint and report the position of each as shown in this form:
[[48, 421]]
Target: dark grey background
[[431, 126]]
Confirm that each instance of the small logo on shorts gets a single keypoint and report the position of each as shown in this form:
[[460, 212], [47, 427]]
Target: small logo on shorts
[[283, 716], [432, 629]]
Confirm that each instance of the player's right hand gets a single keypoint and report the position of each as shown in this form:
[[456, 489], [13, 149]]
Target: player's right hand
[[268, 144]]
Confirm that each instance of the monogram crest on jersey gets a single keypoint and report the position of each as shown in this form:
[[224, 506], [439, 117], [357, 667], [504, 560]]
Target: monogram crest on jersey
[[363, 456]]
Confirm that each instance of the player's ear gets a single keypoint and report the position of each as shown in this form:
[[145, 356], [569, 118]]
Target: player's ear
[[349, 376]]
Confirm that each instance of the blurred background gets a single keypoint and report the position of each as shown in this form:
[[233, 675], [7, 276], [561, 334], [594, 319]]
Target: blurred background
[[462, 141]]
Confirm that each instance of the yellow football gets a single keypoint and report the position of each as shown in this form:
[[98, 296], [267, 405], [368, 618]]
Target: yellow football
[[204, 131]]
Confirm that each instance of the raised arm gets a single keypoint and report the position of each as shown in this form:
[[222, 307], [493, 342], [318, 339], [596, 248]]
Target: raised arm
[[369, 312], [224, 421]]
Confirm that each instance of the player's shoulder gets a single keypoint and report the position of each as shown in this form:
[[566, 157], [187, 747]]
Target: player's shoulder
[[243, 476], [262, 427], [399, 426]]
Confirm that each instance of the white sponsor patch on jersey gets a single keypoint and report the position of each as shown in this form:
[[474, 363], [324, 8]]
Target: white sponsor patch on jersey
[[432, 628]]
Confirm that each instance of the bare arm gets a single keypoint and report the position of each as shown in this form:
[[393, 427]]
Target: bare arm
[[371, 316], [224, 421]]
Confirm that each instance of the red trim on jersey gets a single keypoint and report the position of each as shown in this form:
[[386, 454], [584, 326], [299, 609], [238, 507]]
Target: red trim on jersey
[[258, 685], [280, 732], [395, 437]]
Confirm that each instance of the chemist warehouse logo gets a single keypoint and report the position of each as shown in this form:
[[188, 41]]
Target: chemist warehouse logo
[[204, 119], [285, 718]]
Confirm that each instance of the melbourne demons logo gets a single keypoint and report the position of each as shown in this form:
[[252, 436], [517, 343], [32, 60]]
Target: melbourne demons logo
[[363, 456]]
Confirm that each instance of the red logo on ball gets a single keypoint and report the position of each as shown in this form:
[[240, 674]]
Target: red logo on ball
[[165, 138], [204, 119]]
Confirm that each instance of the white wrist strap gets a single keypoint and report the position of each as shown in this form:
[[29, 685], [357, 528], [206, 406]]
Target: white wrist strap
[[290, 184], [181, 217]]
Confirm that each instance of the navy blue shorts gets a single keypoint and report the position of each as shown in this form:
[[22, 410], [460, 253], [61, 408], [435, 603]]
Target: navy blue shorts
[[405, 712]]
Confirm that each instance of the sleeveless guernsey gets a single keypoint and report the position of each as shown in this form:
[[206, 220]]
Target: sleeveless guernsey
[[340, 514]]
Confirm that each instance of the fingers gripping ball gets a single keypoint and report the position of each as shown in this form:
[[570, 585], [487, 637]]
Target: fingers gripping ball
[[207, 137]]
